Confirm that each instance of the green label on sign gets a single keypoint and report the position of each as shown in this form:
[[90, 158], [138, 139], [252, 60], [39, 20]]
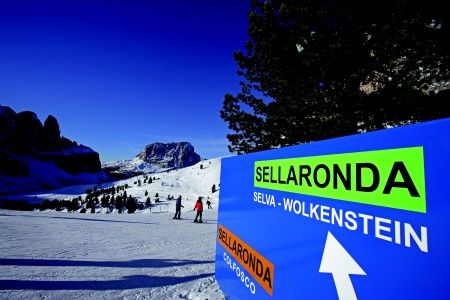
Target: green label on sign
[[392, 178]]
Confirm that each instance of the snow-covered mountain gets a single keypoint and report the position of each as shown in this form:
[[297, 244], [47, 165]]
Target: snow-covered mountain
[[190, 183], [155, 157], [35, 155]]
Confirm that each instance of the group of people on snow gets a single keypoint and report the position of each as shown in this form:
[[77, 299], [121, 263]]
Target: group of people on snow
[[198, 208]]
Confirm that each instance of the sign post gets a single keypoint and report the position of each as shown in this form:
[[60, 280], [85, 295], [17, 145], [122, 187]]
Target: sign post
[[358, 217]]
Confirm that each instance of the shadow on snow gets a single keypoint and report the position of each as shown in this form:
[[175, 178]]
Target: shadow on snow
[[127, 282], [75, 218], [138, 263]]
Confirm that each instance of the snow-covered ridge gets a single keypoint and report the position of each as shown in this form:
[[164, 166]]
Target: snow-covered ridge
[[190, 183], [34, 155], [133, 166]]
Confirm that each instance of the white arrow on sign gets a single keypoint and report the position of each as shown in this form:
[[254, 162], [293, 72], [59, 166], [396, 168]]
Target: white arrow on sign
[[337, 261]]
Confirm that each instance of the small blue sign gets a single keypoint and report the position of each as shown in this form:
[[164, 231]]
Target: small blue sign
[[358, 217]]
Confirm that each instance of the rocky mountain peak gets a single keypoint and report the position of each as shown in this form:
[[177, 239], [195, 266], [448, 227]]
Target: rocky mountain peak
[[23, 137], [170, 155]]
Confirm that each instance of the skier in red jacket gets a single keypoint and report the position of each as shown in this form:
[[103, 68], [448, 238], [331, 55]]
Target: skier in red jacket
[[199, 208]]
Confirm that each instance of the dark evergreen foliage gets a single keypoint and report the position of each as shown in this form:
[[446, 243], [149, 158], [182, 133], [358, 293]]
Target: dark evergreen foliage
[[316, 69], [18, 205], [105, 201], [75, 204], [131, 205], [118, 204]]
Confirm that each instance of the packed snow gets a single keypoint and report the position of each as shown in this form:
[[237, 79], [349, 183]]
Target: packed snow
[[106, 255]]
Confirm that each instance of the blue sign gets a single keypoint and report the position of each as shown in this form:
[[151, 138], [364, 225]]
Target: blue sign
[[359, 217]]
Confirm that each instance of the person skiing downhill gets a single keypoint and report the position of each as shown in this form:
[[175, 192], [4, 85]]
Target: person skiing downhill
[[178, 207], [199, 208]]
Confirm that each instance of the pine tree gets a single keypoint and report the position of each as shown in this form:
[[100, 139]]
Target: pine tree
[[75, 204], [104, 201], [316, 69], [118, 204], [131, 205]]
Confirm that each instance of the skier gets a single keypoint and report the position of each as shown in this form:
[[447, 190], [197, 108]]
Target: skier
[[178, 207], [208, 203], [199, 208]]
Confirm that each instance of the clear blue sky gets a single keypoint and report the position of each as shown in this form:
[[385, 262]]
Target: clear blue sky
[[122, 74]]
